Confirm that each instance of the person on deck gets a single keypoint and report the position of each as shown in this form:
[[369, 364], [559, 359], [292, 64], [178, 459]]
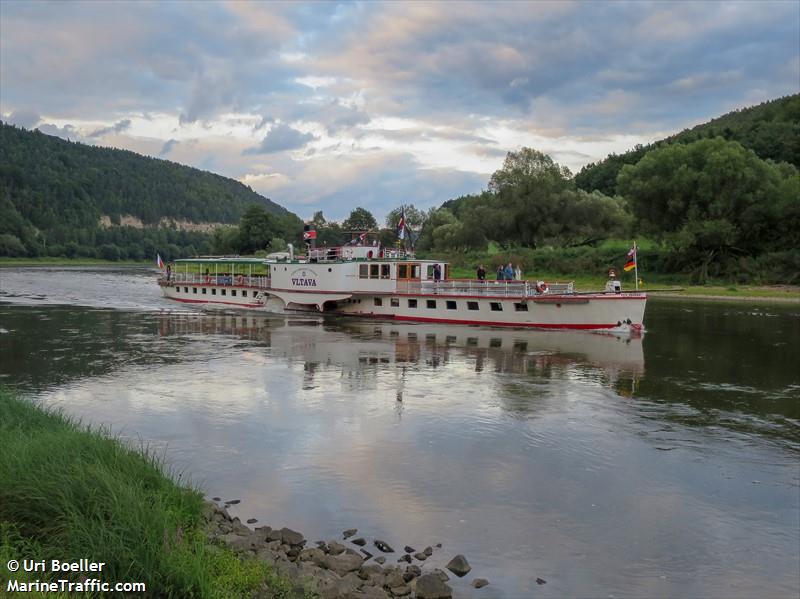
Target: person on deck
[[501, 275], [518, 273], [481, 273], [509, 272], [437, 273]]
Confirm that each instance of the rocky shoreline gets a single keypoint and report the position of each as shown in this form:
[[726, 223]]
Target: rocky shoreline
[[333, 569]]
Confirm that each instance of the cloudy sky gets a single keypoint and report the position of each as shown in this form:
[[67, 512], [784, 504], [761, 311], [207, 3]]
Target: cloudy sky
[[328, 106]]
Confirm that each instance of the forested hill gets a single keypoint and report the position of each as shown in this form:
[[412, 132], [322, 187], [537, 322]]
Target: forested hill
[[50, 181], [771, 130]]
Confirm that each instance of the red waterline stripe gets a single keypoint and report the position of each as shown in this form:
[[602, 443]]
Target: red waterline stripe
[[514, 298]]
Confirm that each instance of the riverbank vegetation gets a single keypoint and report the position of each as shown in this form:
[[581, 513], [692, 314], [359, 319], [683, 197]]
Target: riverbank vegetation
[[70, 492]]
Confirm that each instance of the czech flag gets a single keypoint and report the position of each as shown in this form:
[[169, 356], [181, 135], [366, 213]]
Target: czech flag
[[631, 263], [401, 227], [308, 235], [159, 261]]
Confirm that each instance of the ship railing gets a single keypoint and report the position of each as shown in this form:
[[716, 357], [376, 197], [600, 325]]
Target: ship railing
[[477, 287], [336, 254], [257, 281]]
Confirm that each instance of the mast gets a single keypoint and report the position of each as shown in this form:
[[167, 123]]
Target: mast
[[636, 264]]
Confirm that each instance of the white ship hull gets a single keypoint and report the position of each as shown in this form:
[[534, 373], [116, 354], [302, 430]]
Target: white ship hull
[[550, 311]]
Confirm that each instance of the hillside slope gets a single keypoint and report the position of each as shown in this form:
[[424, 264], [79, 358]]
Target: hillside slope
[[771, 130], [54, 191]]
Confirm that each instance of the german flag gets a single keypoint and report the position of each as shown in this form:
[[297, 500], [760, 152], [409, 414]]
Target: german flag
[[631, 263]]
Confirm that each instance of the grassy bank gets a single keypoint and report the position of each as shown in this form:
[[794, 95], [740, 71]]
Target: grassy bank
[[55, 261], [70, 492]]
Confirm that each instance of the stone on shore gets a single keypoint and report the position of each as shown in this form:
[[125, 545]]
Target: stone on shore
[[252, 520], [541, 581], [349, 532], [233, 501], [420, 556], [430, 586], [428, 551], [343, 563], [459, 566], [335, 548], [441, 574], [380, 560], [409, 549], [479, 583], [291, 537], [383, 546], [360, 541]]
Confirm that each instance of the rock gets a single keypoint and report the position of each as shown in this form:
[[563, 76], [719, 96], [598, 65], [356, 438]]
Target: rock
[[400, 591], [380, 560], [313, 555], [370, 592], [408, 549], [430, 586], [459, 566], [411, 573], [359, 541], [293, 552], [239, 542], [383, 546], [438, 545], [233, 502], [349, 532], [291, 537], [428, 551], [252, 520], [368, 570], [479, 583], [348, 584], [394, 578], [441, 574], [420, 556], [406, 558], [335, 548], [273, 535], [366, 553], [216, 499], [342, 564], [274, 545], [541, 581]]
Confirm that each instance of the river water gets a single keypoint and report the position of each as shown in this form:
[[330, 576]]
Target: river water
[[607, 467]]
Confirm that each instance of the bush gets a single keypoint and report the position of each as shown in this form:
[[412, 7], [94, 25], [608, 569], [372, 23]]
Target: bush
[[10, 245]]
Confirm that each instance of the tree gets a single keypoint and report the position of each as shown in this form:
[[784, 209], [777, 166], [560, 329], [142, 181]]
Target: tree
[[713, 199], [415, 218], [525, 165], [360, 219], [257, 227]]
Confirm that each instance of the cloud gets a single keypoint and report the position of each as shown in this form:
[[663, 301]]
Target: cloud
[[167, 147], [117, 127], [23, 118], [281, 138]]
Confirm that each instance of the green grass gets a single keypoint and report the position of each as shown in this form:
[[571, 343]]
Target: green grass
[[71, 492], [56, 261]]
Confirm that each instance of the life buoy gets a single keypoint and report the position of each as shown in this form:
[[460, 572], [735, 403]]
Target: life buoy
[[369, 255], [240, 280], [541, 287]]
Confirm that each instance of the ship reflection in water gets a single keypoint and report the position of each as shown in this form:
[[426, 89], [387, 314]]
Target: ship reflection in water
[[616, 361]]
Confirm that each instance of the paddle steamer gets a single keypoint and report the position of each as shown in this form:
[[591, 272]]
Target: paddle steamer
[[368, 281]]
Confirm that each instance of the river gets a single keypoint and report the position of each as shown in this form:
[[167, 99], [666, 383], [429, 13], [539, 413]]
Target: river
[[607, 467]]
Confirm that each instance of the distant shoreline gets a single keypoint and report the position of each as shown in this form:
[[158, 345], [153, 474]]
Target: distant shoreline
[[784, 294]]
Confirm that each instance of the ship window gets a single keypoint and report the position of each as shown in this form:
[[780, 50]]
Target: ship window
[[233, 292], [385, 271], [472, 305], [521, 345], [363, 271], [378, 301], [395, 302], [521, 307], [374, 269], [412, 303], [402, 271], [472, 341], [244, 292], [495, 342], [204, 290], [415, 270], [496, 307], [224, 292], [451, 305], [186, 290], [431, 304], [177, 289], [450, 339], [214, 291], [194, 289]]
